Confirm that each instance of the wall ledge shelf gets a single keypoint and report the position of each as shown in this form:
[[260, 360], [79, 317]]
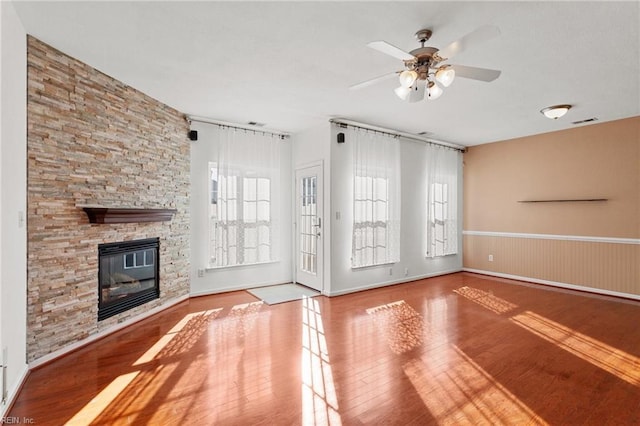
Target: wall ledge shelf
[[106, 215], [568, 200]]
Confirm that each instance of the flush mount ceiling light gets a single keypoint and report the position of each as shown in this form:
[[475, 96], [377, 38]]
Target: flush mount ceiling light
[[556, 111], [425, 74]]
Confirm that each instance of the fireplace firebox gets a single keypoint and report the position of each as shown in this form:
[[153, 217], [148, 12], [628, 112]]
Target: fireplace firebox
[[128, 275]]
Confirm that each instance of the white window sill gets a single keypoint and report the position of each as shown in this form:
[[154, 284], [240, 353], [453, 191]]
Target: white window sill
[[373, 266], [440, 255], [244, 265]]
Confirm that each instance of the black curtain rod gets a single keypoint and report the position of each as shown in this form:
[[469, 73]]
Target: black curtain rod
[[348, 123], [223, 124]]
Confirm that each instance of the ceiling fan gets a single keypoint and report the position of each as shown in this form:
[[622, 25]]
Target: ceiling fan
[[425, 73]]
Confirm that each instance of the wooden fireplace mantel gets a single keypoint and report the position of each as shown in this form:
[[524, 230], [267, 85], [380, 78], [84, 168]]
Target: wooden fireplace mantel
[[120, 215]]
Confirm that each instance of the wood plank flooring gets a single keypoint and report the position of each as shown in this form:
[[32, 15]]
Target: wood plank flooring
[[458, 349]]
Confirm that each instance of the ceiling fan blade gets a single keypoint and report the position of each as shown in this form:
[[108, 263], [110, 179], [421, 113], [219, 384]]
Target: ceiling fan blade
[[475, 73], [373, 81], [480, 35], [391, 50]]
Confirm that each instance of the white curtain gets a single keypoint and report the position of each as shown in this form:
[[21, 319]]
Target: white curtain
[[376, 198], [442, 200], [244, 187]]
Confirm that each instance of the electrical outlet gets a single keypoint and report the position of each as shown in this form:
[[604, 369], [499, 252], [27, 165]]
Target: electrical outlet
[[490, 258], [200, 273], [390, 271], [406, 271]]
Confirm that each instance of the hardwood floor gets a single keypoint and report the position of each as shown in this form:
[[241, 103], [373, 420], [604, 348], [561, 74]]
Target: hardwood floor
[[457, 349]]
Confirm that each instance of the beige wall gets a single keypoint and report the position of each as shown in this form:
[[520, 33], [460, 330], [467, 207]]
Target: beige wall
[[596, 161]]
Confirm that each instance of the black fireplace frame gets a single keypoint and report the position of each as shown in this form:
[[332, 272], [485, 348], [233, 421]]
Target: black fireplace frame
[[111, 308]]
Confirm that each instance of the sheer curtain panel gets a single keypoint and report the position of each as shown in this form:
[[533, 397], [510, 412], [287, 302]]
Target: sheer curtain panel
[[244, 187], [442, 200], [376, 198]]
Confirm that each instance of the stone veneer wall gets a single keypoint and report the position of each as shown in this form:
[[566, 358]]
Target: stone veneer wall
[[92, 140]]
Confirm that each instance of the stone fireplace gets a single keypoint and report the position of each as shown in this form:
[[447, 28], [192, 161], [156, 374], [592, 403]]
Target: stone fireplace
[[94, 141], [128, 275]]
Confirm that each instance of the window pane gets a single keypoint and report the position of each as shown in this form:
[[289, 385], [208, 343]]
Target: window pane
[[213, 182], [148, 257], [380, 214], [249, 212], [263, 211], [263, 189], [439, 211]]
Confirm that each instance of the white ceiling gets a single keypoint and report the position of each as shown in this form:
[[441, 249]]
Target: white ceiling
[[290, 64]]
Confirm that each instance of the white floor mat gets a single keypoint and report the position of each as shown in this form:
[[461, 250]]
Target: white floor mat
[[282, 293]]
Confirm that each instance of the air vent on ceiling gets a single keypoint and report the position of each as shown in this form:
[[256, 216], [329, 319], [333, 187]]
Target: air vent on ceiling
[[587, 120], [256, 124]]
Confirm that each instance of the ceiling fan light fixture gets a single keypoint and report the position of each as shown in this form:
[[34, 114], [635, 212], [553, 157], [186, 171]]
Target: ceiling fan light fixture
[[556, 111], [433, 91], [445, 75], [407, 78], [424, 74], [403, 92]]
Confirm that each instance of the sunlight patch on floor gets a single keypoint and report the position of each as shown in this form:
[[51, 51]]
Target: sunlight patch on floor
[[162, 343], [319, 400], [102, 400], [606, 357], [486, 300], [239, 346], [147, 386], [465, 394], [401, 325], [242, 318]]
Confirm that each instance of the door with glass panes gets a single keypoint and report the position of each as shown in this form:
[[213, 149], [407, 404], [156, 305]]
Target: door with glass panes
[[309, 226]]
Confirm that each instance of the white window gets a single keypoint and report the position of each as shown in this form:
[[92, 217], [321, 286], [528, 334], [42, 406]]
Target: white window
[[376, 198], [242, 199], [442, 212]]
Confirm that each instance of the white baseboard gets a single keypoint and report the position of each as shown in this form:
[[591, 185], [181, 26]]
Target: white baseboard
[[72, 347], [13, 392], [237, 288], [393, 282], [555, 284]]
